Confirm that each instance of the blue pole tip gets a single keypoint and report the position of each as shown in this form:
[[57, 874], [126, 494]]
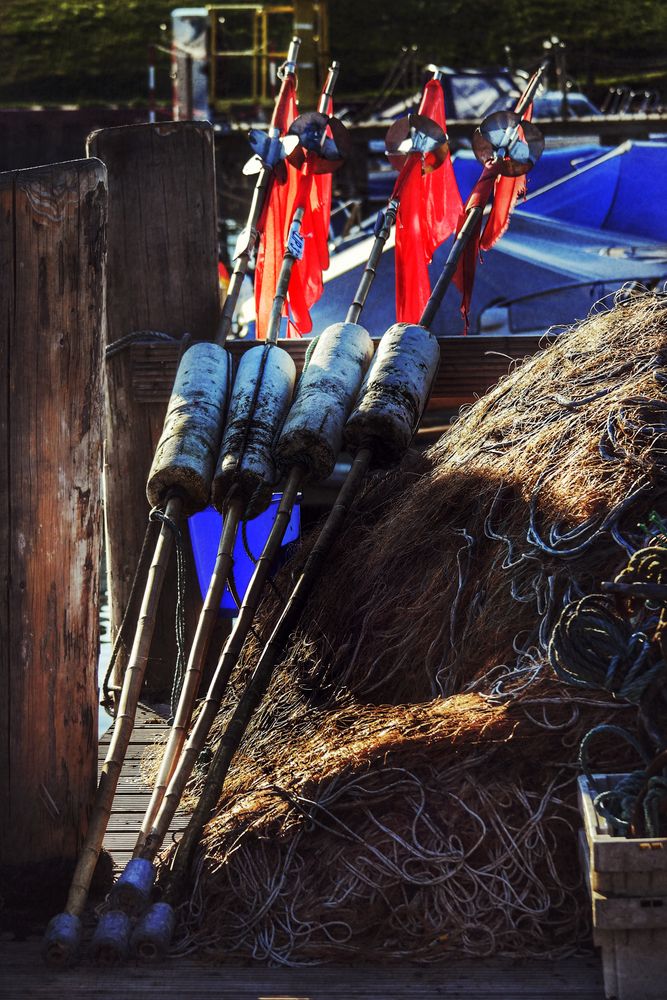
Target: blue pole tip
[[111, 940], [62, 940], [152, 935], [132, 891]]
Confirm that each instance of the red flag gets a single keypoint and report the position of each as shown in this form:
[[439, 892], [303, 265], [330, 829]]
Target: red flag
[[464, 276], [505, 191], [275, 219], [306, 285], [505, 196], [429, 208]]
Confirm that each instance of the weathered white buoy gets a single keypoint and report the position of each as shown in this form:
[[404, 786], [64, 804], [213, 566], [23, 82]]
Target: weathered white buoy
[[188, 447], [313, 432], [394, 393], [266, 375]]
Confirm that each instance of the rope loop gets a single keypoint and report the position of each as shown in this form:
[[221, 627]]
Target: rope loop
[[159, 515], [592, 646], [136, 337], [107, 700]]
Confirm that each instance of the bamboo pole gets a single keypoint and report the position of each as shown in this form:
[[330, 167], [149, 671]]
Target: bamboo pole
[[132, 889], [226, 664], [63, 936], [370, 270], [260, 679], [474, 212], [260, 196], [196, 660]]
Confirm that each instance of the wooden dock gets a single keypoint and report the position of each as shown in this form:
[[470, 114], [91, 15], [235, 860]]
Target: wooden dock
[[132, 794], [24, 977]]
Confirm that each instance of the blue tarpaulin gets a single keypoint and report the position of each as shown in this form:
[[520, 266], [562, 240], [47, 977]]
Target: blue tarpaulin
[[624, 191], [552, 165], [542, 272], [594, 219]]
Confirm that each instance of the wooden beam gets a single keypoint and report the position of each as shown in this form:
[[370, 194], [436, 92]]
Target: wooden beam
[[572, 978], [469, 366], [52, 226], [161, 276]]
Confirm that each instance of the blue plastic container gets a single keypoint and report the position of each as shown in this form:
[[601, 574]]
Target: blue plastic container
[[205, 528]]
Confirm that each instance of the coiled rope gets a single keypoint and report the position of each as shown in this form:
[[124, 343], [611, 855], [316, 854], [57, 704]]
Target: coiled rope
[[595, 646], [592, 646], [637, 799]]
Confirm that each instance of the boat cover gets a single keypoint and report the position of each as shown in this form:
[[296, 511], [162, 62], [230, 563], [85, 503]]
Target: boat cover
[[624, 190], [553, 164], [541, 273]]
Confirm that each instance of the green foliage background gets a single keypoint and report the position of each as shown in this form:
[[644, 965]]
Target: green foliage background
[[70, 51]]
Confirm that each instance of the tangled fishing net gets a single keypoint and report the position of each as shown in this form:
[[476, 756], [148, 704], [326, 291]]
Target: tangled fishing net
[[407, 788]]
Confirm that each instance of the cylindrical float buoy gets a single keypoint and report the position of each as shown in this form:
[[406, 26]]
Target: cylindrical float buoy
[[262, 393], [394, 393], [132, 891], [152, 935], [111, 940], [62, 940], [188, 447], [313, 431]]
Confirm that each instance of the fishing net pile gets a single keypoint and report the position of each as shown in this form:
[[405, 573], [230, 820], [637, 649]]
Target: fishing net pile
[[407, 788]]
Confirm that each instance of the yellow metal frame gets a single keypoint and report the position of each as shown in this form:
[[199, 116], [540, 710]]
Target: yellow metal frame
[[260, 54]]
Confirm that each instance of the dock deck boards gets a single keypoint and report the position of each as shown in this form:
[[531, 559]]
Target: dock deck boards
[[132, 795], [24, 977]]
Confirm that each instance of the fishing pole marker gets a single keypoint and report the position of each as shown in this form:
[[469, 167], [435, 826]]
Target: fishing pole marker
[[509, 142], [310, 131], [269, 148], [417, 134]]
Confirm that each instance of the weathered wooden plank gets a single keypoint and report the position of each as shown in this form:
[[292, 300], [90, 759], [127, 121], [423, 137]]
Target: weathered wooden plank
[[131, 801], [468, 365], [124, 822], [162, 275], [7, 311], [474, 979], [143, 739], [52, 309], [124, 840], [133, 794]]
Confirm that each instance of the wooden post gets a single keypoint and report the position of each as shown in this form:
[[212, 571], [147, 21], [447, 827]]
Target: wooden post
[[162, 275], [52, 254]]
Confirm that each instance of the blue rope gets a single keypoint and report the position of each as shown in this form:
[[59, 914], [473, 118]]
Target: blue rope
[[593, 647], [617, 804]]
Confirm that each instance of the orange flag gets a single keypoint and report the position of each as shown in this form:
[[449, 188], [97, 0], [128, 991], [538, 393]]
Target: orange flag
[[505, 191], [275, 219], [306, 285], [464, 276], [429, 208]]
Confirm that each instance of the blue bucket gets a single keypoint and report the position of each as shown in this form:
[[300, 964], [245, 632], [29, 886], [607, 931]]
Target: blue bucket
[[205, 528]]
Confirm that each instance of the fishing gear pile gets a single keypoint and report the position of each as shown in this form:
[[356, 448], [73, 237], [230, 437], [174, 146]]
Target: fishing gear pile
[[615, 641], [407, 787]]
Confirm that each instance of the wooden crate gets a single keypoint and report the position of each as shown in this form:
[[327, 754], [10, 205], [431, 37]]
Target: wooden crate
[[627, 883], [620, 866]]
